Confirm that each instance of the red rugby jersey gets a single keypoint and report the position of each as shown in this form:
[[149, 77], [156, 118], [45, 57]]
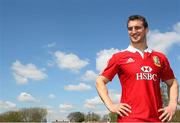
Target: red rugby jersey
[[140, 75]]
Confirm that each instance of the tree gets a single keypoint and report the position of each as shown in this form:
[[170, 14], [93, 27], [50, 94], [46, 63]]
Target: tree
[[164, 90], [91, 116], [76, 117], [113, 117], [11, 116], [105, 118], [34, 114], [24, 115], [164, 94]]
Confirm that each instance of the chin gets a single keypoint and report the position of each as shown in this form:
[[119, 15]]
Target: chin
[[135, 41]]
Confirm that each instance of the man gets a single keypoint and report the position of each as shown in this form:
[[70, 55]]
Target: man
[[140, 71]]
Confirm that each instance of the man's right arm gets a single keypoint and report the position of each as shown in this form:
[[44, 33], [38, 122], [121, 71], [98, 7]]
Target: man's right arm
[[122, 109]]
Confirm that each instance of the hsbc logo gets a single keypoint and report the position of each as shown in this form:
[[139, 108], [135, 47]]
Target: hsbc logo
[[146, 75], [146, 69]]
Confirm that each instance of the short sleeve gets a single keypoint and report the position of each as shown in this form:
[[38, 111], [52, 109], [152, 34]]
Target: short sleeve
[[167, 72], [111, 68]]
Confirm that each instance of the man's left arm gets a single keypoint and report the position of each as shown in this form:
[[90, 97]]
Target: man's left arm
[[173, 91]]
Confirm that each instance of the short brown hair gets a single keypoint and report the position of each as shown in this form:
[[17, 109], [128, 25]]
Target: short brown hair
[[138, 17]]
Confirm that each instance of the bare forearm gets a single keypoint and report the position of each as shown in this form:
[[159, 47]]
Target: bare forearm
[[121, 109], [103, 91], [169, 111], [173, 92]]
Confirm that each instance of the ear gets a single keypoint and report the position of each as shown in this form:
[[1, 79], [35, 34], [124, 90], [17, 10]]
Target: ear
[[147, 30]]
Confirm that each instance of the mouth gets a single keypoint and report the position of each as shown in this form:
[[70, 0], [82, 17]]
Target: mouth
[[136, 36]]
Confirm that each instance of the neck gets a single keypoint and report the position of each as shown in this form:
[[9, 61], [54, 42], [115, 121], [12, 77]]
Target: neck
[[140, 46]]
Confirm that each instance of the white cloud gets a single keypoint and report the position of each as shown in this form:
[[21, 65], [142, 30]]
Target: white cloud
[[59, 113], [114, 95], [50, 45], [25, 97], [65, 107], [95, 103], [103, 56], [164, 41], [102, 112], [79, 87], [92, 103], [178, 57], [52, 96], [7, 105], [56, 114], [22, 72], [176, 27], [89, 76], [69, 61]]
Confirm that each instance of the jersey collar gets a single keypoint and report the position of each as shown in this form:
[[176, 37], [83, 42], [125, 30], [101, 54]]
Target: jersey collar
[[133, 50]]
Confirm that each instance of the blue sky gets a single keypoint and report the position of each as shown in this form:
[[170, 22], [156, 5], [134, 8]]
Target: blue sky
[[52, 50]]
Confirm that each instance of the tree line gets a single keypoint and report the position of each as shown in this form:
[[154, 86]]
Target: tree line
[[40, 115], [91, 117]]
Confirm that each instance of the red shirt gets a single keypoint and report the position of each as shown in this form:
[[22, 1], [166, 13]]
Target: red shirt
[[140, 75]]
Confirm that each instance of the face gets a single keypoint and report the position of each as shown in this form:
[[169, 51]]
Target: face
[[137, 32]]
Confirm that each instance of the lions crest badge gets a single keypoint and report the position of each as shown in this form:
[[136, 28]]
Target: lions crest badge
[[156, 61]]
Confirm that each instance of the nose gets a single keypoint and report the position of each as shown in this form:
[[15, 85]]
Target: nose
[[134, 30]]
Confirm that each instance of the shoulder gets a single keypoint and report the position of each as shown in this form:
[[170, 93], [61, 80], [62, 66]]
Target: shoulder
[[120, 55], [159, 54]]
